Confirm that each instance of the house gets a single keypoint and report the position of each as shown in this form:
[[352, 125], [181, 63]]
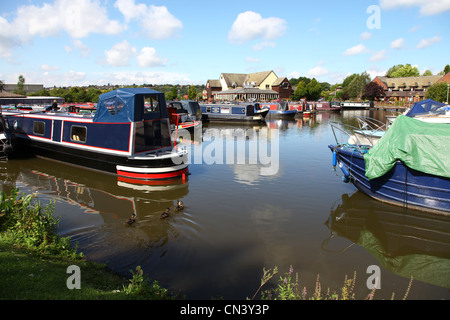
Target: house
[[408, 89], [262, 86]]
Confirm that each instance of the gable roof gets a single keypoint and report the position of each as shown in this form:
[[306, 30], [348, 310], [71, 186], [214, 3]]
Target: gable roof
[[231, 78], [409, 82]]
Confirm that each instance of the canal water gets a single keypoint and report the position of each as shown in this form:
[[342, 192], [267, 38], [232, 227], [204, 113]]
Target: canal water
[[258, 197]]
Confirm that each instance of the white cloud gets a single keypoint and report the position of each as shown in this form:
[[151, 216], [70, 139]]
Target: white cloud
[[46, 67], [358, 49], [376, 72], [316, 72], [427, 7], [252, 60], [148, 58], [366, 35], [379, 55], [78, 44], [78, 18], [397, 44], [250, 25], [156, 22], [428, 42], [120, 54], [262, 45]]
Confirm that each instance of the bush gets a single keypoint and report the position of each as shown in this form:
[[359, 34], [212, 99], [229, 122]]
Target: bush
[[24, 222]]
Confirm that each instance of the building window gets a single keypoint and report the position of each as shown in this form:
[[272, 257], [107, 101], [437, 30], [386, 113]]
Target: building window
[[39, 128], [78, 133]]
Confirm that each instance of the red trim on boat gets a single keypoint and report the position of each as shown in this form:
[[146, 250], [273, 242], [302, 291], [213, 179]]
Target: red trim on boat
[[151, 176]]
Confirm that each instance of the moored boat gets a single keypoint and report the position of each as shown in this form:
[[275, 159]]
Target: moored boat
[[123, 137], [427, 110], [245, 112], [279, 109], [184, 114], [357, 105], [409, 166], [6, 137]]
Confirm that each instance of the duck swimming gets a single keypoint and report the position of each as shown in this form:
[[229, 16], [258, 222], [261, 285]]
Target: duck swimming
[[132, 219], [179, 206], [165, 214]]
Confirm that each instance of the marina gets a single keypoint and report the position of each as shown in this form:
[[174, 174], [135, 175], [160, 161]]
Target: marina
[[238, 219]]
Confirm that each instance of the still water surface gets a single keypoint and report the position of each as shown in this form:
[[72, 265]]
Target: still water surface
[[238, 221]]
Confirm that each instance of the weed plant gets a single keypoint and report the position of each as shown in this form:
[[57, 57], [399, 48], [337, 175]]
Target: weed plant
[[289, 288]]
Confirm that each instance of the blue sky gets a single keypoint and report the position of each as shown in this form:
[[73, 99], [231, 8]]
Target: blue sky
[[83, 42]]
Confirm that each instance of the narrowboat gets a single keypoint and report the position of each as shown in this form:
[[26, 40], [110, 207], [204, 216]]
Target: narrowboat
[[246, 112], [184, 114], [123, 137], [409, 166], [279, 110], [357, 105]]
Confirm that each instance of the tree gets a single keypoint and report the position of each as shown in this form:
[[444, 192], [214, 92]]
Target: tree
[[446, 69], [314, 90], [438, 92], [347, 81], [427, 73], [403, 71], [192, 93], [392, 70], [300, 92], [171, 95], [358, 85], [20, 86], [373, 91], [2, 86]]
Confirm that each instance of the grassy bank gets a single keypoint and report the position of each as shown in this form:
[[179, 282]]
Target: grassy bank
[[35, 260]]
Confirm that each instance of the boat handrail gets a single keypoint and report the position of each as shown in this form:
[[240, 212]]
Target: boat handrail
[[341, 130], [371, 124]]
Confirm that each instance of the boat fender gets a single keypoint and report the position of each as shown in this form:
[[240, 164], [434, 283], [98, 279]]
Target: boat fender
[[346, 177], [334, 158]]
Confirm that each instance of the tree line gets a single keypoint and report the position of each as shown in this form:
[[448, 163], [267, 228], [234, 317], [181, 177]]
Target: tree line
[[91, 93], [360, 86]]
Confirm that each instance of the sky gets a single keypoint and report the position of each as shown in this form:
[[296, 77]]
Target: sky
[[125, 42]]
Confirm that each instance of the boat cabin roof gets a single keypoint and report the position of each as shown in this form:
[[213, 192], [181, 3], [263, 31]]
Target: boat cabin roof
[[131, 105]]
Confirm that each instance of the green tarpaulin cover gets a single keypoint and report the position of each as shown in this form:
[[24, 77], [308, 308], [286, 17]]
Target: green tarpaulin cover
[[422, 146]]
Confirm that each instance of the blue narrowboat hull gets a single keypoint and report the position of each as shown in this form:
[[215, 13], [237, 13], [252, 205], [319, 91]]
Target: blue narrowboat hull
[[233, 113], [401, 186]]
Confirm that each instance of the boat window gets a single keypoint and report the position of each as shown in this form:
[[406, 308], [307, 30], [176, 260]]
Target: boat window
[[119, 105], [151, 104], [111, 106], [208, 109], [39, 127], [78, 133]]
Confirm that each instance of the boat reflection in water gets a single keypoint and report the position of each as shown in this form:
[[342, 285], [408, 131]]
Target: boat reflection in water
[[408, 243], [100, 228]]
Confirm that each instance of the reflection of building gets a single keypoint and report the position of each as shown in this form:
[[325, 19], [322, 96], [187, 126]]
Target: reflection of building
[[409, 89], [262, 86]]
